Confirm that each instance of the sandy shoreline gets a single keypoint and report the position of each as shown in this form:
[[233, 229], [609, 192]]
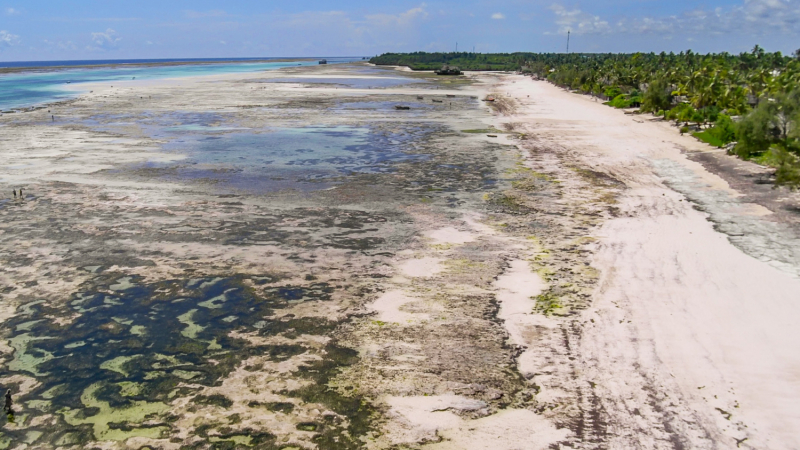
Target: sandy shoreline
[[580, 280], [689, 339]]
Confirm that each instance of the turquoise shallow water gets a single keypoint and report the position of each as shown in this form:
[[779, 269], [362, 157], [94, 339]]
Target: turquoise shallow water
[[25, 89]]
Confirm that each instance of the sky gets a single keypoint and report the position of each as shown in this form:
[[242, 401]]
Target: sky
[[40, 30]]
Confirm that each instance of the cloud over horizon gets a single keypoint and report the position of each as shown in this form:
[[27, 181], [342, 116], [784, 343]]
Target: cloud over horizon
[[105, 40], [8, 40]]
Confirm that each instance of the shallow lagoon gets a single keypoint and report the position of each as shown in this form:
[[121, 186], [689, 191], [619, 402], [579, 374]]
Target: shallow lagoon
[[305, 158]]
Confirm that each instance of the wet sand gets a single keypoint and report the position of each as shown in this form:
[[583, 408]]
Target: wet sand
[[180, 275]]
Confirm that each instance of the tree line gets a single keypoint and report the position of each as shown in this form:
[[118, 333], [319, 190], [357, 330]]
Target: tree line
[[748, 103]]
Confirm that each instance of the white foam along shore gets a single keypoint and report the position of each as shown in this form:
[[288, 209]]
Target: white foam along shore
[[679, 309]]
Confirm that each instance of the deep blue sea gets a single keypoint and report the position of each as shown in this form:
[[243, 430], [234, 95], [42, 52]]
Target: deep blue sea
[[47, 80]]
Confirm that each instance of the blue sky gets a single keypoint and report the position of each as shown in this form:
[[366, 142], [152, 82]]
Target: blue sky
[[109, 29]]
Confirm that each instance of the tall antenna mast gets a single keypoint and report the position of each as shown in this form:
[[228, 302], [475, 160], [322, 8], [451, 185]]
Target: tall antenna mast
[[568, 31], [456, 47]]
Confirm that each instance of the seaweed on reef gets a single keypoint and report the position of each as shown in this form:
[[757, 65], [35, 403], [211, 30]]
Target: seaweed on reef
[[356, 409], [133, 343]]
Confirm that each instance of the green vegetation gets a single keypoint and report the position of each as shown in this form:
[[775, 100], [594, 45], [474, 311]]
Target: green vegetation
[[462, 60], [547, 303], [752, 99]]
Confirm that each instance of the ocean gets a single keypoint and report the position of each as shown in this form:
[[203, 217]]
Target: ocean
[[47, 81]]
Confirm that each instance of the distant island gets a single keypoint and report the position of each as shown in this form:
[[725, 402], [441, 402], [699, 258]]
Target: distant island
[[748, 103]]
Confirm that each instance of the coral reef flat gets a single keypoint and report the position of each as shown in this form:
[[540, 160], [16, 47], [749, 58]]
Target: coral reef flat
[[285, 260]]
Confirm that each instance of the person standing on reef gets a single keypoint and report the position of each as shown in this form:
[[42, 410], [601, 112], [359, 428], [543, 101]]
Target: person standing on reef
[[20, 194], [15, 193], [9, 402]]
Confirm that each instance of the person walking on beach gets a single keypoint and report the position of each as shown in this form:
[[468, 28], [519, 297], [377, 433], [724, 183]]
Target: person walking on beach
[[15, 193], [20, 194]]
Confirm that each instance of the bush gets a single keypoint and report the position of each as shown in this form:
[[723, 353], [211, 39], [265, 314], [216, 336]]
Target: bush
[[681, 113], [788, 173], [619, 101], [710, 113], [724, 129], [657, 97], [625, 101], [612, 92], [753, 132]]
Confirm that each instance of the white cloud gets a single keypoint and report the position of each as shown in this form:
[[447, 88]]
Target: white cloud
[[12, 11], [752, 17], [7, 39], [578, 22], [406, 18], [104, 40], [498, 16]]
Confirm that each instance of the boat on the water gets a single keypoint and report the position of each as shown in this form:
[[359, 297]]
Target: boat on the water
[[323, 61]]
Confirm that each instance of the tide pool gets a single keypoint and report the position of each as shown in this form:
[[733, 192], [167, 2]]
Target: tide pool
[[304, 159]]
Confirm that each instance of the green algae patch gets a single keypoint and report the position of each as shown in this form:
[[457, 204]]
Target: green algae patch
[[5, 441], [186, 375], [105, 423], [547, 303], [236, 439], [32, 436], [25, 361], [214, 303], [75, 344], [41, 405], [129, 388], [192, 329], [26, 326], [464, 265], [118, 364], [122, 284]]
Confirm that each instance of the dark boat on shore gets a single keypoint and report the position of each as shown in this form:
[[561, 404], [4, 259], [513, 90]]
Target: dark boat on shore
[[447, 70]]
